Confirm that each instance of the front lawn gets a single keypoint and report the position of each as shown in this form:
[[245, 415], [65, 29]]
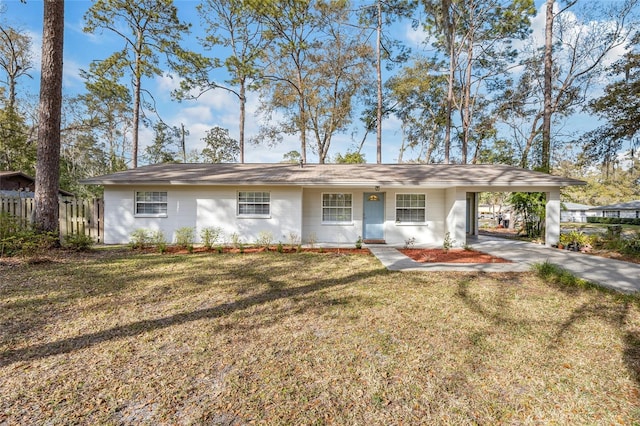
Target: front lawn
[[309, 338]]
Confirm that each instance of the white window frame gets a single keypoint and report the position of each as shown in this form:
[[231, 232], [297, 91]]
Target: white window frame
[[137, 202], [336, 222], [611, 213], [424, 208], [263, 203]]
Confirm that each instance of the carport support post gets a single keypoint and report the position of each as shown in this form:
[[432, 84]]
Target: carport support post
[[552, 221]]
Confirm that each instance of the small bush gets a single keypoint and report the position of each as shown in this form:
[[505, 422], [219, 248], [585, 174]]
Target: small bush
[[409, 243], [294, 239], [78, 242], [140, 239], [236, 241], [280, 247], [359, 243], [185, 236], [448, 242], [210, 235], [159, 241], [265, 238]]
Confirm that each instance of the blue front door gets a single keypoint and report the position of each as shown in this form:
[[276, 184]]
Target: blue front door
[[373, 219]]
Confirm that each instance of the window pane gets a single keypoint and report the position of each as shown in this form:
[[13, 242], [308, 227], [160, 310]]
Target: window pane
[[410, 208], [253, 202], [151, 202], [336, 207]]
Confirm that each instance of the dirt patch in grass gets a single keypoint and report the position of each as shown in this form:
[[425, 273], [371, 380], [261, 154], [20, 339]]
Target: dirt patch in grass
[[307, 339], [451, 256]]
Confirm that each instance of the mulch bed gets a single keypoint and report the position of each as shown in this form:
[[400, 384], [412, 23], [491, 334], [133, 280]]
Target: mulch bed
[[451, 256], [274, 249]]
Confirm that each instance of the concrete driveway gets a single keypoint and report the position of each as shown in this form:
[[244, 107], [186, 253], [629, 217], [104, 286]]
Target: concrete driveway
[[615, 274]]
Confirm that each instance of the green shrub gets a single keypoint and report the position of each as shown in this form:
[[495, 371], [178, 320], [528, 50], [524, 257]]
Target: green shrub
[[210, 235], [359, 243], [140, 239], [18, 238], [614, 220], [159, 241], [78, 242], [448, 242], [185, 236]]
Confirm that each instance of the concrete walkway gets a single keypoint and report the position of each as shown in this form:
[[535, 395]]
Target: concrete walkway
[[615, 274]]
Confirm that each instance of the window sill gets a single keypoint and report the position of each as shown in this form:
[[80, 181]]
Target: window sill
[[151, 215], [337, 223], [411, 223], [253, 216]]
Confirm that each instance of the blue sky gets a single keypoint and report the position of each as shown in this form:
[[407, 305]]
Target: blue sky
[[216, 108]]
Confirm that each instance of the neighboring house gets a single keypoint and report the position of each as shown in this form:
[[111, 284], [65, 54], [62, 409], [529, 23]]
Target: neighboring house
[[626, 210], [574, 212], [328, 203], [18, 184]]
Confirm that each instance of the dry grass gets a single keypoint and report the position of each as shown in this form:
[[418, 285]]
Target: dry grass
[[307, 339]]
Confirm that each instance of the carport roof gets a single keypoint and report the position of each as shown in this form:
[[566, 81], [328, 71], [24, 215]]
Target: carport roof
[[359, 175]]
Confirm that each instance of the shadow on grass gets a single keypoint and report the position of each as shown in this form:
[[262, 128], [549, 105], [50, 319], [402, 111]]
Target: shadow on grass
[[274, 293], [606, 304]]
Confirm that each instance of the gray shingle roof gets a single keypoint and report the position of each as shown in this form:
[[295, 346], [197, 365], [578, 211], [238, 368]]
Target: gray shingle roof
[[428, 175], [631, 205], [576, 206]]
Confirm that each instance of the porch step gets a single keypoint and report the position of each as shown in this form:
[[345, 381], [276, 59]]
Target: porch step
[[374, 241]]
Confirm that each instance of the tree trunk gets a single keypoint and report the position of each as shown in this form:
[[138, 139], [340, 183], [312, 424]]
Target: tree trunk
[[466, 105], [450, 79], [545, 162], [136, 114], [50, 109], [379, 81], [243, 101]]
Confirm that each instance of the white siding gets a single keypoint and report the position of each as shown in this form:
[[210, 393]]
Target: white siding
[[455, 211], [199, 207], [430, 233]]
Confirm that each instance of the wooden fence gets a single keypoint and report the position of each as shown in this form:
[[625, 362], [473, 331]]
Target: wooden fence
[[77, 216]]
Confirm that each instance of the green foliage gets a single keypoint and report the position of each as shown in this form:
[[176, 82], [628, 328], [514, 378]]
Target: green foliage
[[614, 220], [292, 157], [158, 240], [448, 242], [210, 235], [78, 242], [221, 148], [18, 238], [15, 151], [359, 242], [532, 207], [350, 158], [280, 247], [185, 237], [165, 145], [140, 239], [151, 31]]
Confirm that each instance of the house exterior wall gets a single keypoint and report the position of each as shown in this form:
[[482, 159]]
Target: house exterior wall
[[200, 207], [429, 233], [628, 214], [455, 210], [576, 216]]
